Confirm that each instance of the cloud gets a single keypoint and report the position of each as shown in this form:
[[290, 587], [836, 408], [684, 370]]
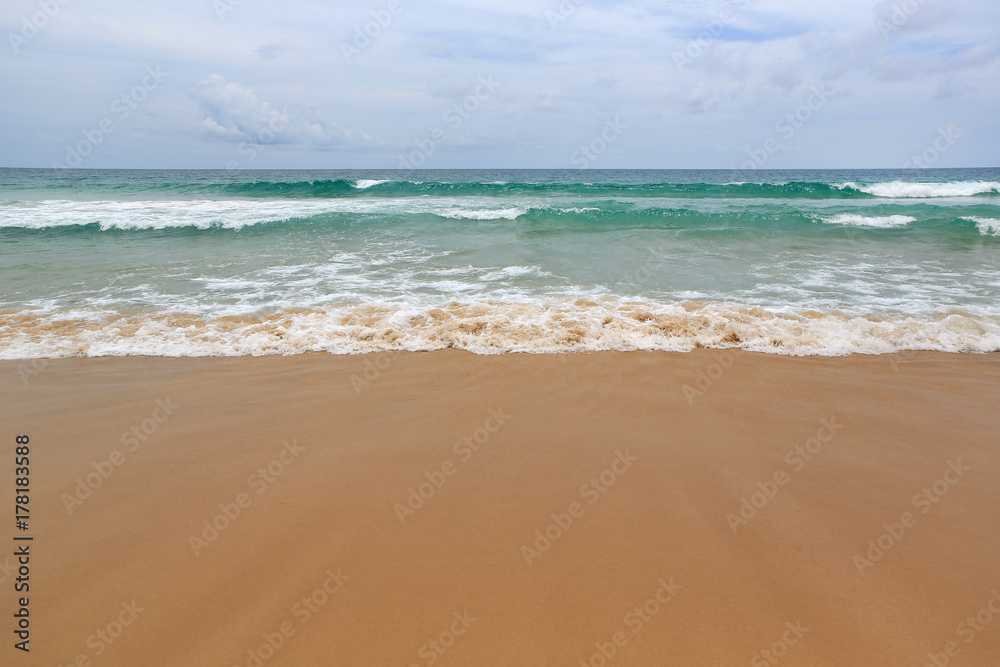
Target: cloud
[[233, 113], [697, 101], [482, 46], [785, 76], [898, 17], [913, 63], [283, 67], [950, 87], [272, 51]]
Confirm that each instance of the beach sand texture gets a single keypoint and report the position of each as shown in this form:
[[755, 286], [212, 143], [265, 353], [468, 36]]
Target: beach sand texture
[[452, 509]]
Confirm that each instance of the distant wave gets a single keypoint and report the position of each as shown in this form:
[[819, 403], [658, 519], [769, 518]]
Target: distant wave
[[389, 188], [908, 190], [535, 213], [509, 213], [147, 215], [365, 183], [403, 188], [856, 220]]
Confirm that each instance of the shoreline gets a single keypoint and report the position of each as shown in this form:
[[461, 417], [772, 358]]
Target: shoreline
[[483, 326], [662, 507]]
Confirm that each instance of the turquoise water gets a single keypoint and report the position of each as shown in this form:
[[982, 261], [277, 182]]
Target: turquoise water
[[263, 262]]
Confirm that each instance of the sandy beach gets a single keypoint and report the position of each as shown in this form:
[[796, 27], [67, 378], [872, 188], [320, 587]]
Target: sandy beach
[[708, 508]]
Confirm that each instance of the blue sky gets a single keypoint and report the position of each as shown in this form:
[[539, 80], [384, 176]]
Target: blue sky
[[522, 83]]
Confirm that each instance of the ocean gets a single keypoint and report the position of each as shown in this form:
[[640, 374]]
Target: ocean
[[200, 263]]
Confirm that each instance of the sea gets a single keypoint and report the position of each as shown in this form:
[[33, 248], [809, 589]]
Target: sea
[[240, 262]]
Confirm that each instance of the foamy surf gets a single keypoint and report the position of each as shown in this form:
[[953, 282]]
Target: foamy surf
[[491, 328], [201, 263]]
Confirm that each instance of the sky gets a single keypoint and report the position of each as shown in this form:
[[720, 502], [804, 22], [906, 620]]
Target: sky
[[381, 84]]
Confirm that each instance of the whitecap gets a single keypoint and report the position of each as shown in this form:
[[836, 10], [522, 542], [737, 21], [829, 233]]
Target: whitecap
[[986, 226], [906, 189], [483, 214], [365, 183], [882, 221]]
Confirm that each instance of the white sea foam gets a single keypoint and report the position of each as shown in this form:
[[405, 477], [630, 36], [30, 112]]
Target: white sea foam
[[490, 327], [905, 189], [510, 272], [986, 226], [484, 214], [164, 214], [365, 183], [855, 220], [231, 284], [226, 213]]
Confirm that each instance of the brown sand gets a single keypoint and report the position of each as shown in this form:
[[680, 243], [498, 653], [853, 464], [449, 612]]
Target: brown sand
[[897, 423]]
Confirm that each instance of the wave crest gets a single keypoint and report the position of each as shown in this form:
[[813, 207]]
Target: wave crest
[[911, 190], [986, 226], [882, 221]]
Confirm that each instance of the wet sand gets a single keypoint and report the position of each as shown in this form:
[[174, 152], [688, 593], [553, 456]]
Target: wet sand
[[452, 509]]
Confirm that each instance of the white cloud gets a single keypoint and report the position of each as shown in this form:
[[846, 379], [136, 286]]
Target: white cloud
[[607, 57], [233, 113]]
